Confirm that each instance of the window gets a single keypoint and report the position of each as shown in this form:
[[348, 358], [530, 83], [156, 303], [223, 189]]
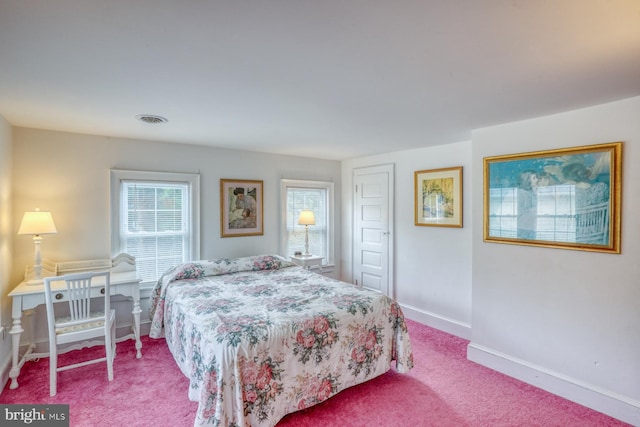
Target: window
[[317, 196], [155, 217]]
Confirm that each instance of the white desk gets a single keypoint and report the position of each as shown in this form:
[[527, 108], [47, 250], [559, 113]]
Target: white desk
[[27, 297], [308, 261]]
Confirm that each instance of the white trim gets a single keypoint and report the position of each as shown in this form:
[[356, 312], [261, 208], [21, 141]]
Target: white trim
[[388, 168], [618, 406], [446, 324], [5, 367], [301, 183], [191, 179]]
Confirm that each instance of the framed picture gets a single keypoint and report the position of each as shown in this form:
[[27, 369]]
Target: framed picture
[[438, 197], [564, 198], [241, 211]]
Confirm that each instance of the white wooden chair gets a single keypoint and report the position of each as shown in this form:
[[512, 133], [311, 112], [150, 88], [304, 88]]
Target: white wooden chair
[[83, 323]]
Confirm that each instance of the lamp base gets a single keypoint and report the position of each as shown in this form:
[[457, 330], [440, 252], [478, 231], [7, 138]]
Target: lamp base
[[47, 269]]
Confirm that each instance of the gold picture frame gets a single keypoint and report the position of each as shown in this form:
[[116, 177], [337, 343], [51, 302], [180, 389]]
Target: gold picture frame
[[241, 208], [566, 198], [438, 197]]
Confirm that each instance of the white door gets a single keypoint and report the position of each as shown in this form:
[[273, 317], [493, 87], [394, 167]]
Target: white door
[[373, 219]]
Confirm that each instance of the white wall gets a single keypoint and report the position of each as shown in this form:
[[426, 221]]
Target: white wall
[[6, 229], [432, 264], [567, 321], [68, 174]]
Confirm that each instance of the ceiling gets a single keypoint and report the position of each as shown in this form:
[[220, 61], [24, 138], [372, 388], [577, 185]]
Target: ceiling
[[332, 79]]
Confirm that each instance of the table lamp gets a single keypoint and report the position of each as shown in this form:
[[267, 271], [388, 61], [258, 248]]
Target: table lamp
[[37, 223], [306, 218]]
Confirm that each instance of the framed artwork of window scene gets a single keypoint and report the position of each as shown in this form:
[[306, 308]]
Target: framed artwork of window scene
[[438, 197], [241, 208], [566, 198]]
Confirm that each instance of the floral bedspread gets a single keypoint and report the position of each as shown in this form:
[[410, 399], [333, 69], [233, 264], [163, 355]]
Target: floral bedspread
[[259, 337]]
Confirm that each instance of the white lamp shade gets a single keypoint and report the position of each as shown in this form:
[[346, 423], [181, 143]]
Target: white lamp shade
[[307, 218], [37, 223]]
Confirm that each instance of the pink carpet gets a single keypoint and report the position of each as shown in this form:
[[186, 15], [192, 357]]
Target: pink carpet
[[444, 389]]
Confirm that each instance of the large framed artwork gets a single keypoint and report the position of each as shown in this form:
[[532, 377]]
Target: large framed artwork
[[438, 197], [241, 205], [565, 198]]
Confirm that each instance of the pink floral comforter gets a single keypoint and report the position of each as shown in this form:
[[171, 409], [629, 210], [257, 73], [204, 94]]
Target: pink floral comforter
[[259, 337]]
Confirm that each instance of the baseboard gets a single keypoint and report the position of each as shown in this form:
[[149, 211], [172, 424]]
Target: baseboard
[[145, 327], [5, 367], [596, 398], [442, 323]]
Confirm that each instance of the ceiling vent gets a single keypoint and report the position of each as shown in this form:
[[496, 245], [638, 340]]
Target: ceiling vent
[[151, 119]]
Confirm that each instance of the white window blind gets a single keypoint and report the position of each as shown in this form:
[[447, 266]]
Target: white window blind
[[299, 199], [155, 220], [155, 225]]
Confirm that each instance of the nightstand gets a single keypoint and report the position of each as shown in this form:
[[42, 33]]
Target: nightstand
[[308, 261]]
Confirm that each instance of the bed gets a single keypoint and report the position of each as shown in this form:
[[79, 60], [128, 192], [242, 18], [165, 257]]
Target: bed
[[260, 337]]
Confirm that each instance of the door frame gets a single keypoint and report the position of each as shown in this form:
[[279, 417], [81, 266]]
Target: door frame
[[389, 169]]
